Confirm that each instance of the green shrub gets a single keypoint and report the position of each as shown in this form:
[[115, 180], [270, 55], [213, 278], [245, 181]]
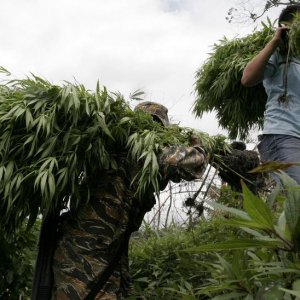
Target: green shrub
[[17, 258], [160, 267]]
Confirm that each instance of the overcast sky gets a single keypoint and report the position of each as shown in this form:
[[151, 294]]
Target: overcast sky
[[152, 45]]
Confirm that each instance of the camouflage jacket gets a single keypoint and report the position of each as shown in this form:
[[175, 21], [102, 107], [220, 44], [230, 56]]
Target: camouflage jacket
[[90, 238]]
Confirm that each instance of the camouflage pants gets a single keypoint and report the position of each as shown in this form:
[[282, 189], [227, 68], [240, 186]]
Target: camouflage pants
[[88, 243]]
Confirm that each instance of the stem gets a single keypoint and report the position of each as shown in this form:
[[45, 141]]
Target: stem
[[284, 98], [206, 192], [271, 6], [170, 205], [202, 184], [159, 212], [290, 246]]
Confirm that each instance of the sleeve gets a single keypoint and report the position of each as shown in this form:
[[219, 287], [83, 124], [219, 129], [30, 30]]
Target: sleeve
[[180, 162], [271, 65]]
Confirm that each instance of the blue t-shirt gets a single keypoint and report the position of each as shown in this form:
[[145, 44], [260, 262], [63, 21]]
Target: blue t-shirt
[[282, 118]]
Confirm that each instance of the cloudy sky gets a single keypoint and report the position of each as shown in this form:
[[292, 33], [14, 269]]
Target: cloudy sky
[[152, 45]]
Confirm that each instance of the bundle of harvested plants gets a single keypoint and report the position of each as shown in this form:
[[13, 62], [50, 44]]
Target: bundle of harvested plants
[[53, 137], [218, 84]]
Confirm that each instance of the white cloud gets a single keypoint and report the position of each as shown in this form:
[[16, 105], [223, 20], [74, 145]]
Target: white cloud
[[154, 45]]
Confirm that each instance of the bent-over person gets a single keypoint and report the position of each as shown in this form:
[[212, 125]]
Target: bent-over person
[[91, 257]]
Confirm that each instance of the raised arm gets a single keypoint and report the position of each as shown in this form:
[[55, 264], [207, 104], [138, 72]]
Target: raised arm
[[254, 70]]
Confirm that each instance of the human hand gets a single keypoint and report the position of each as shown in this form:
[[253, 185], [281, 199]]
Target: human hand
[[194, 141], [281, 35]]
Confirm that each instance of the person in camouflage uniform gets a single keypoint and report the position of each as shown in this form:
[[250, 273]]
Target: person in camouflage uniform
[[94, 242]]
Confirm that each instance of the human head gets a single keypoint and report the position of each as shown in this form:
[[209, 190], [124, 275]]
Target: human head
[[288, 13], [158, 112]]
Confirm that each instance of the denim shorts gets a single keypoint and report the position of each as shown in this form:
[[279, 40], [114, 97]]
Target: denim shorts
[[282, 148]]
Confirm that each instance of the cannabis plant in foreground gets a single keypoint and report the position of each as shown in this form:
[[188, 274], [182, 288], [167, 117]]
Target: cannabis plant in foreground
[[264, 264]]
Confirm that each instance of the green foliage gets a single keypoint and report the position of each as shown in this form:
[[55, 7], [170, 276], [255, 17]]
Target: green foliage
[[17, 255], [229, 197], [294, 36], [56, 140], [160, 267], [218, 87], [256, 257], [270, 253], [292, 209]]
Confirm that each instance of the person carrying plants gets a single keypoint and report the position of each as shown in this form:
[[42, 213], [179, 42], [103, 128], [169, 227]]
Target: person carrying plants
[[279, 69], [91, 256]]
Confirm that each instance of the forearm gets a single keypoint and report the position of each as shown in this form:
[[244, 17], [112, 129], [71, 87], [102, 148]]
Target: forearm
[[254, 71], [179, 162]]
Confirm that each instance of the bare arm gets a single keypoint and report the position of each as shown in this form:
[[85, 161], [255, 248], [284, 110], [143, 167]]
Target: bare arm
[[254, 71]]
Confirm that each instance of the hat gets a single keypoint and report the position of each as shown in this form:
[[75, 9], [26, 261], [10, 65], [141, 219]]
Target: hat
[[155, 109]]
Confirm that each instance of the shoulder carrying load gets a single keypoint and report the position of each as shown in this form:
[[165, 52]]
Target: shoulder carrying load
[[54, 137], [218, 85]]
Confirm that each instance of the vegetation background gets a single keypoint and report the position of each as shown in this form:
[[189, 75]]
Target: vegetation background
[[226, 245]]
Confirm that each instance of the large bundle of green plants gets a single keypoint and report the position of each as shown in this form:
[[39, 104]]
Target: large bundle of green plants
[[218, 84], [294, 36], [53, 138]]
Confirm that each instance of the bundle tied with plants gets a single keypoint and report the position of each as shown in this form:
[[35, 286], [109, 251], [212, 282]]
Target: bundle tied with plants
[[218, 81], [52, 138]]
